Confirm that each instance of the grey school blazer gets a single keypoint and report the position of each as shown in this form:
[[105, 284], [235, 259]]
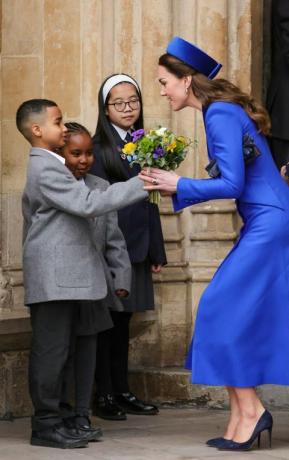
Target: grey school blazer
[[111, 246], [60, 258]]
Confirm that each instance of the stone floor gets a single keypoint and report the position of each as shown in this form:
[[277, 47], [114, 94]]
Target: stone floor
[[175, 434]]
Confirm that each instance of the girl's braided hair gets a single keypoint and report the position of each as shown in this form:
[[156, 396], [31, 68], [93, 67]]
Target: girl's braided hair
[[76, 128]]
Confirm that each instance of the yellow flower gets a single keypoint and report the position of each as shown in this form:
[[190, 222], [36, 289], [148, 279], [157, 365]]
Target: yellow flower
[[129, 148], [183, 139], [172, 146]]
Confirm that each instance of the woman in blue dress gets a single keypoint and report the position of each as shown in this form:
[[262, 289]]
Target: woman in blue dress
[[241, 336]]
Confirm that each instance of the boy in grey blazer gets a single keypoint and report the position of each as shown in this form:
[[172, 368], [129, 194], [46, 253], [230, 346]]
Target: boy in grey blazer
[[60, 263]]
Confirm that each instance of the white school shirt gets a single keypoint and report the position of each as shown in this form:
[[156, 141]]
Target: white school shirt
[[60, 158], [121, 132]]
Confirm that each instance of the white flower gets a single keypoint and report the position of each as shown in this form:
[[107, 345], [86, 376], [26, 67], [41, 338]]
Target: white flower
[[161, 131]]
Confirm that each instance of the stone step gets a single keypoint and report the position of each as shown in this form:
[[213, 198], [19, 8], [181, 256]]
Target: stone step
[[172, 385]]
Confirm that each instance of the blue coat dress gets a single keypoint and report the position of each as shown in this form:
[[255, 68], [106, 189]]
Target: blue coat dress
[[241, 335]]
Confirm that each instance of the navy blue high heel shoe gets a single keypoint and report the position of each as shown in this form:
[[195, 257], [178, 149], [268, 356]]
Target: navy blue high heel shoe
[[218, 442], [265, 423]]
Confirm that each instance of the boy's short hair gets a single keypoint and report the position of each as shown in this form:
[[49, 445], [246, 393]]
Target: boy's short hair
[[28, 108]]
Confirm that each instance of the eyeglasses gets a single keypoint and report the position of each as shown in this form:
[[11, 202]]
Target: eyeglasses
[[121, 106]]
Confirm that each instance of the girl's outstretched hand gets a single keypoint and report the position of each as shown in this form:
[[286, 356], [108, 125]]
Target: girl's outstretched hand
[[158, 179], [121, 293]]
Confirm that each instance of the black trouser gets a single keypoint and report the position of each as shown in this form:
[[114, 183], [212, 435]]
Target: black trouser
[[79, 376], [280, 151], [53, 326], [112, 356]]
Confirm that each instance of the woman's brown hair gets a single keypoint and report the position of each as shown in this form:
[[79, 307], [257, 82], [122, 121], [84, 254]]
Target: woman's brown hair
[[208, 91]]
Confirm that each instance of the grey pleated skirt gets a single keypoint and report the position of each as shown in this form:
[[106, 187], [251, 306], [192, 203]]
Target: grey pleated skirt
[[142, 293], [93, 317]]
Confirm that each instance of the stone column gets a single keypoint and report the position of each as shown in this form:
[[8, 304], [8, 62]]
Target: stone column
[[20, 80]]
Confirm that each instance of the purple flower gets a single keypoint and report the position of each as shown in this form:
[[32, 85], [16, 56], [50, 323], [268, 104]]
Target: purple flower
[[158, 152], [136, 135]]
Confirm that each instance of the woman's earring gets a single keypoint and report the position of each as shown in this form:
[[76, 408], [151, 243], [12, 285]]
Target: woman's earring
[[187, 90]]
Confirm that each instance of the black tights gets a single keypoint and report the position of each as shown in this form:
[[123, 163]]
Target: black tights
[[112, 356]]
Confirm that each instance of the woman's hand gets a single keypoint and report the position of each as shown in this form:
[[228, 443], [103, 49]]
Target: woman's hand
[[283, 171], [159, 179], [156, 268]]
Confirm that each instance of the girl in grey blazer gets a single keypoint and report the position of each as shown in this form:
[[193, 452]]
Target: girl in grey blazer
[[93, 316]]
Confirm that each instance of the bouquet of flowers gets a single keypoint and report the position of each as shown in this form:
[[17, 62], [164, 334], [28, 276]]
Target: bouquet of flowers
[[158, 148]]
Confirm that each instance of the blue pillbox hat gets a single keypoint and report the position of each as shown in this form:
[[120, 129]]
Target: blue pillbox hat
[[193, 57]]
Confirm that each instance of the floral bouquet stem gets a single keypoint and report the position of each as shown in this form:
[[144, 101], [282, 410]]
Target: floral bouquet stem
[[154, 195]]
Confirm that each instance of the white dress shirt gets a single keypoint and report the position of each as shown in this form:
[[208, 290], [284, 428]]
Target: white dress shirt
[[60, 158]]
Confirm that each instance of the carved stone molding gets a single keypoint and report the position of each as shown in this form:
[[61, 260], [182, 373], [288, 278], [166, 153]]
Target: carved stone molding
[[5, 292]]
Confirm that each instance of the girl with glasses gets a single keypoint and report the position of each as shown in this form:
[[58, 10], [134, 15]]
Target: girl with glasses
[[119, 113]]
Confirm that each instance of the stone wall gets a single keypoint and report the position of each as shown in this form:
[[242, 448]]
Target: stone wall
[[62, 51]]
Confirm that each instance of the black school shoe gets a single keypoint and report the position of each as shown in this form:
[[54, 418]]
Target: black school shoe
[[106, 407], [81, 426], [57, 436], [132, 405]]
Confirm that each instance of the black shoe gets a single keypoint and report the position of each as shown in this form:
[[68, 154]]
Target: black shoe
[[132, 405], [80, 426], [107, 408], [57, 436], [83, 425]]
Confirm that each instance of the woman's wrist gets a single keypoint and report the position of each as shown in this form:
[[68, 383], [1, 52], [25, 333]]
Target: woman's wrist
[[178, 183]]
